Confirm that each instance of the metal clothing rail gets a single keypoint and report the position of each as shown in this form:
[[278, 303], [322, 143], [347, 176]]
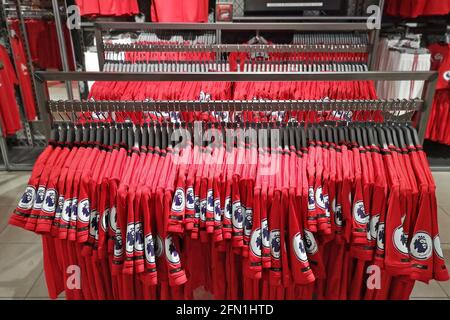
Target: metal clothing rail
[[236, 48], [237, 76], [278, 26], [430, 77], [324, 26], [236, 105]]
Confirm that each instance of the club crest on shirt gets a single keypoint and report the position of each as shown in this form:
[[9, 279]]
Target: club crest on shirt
[[265, 233], [118, 245], [380, 236], [40, 195], [320, 200], [93, 224], [149, 249], [421, 246], [84, 211], [74, 210], [275, 244], [190, 199], [311, 201], [203, 210], [217, 211], [373, 226], [337, 210], [130, 238], [228, 208], [237, 215], [359, 213], [327, 205], [310, 242], [49, 201], [248, 225], [113, 219], [256, 242], [138, 237], [178, 203], [299, 247], [27, 199], [172, 254], [210, 201], [59, 207], [400, 240], [67, 208], [437, 247]]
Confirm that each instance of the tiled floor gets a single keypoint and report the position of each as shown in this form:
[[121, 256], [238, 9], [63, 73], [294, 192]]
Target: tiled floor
[[21, 271]]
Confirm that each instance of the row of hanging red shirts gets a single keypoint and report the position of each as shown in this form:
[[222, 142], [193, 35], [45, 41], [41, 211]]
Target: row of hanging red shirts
[[107, 7], [43, 42], [438, 129], [9, 110], [295, 219], [210, 91], [24, 80]]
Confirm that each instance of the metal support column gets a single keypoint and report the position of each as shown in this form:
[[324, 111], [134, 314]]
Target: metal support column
[[26, 45], [62, 46], [42, 105], [100, 48], [375, 35]]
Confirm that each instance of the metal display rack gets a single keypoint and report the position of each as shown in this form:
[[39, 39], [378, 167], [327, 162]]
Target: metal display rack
[[29, 144], [44, 106], [325, 26]]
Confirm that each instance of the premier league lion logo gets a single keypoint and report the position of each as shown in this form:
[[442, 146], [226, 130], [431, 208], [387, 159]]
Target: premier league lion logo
[[299, 247], [39, 198], [50, 201], [359, 214], [178, 201], [84, 211], [130, 238], [265, 233], [138, 237], [380, 236], [217, 211], [171, 251], [149, 249], [256, 242], [310, 241], [26, 201], [248, 225], [238, 217], [311, 201], [421, 246], [275, 244], [190, 201]]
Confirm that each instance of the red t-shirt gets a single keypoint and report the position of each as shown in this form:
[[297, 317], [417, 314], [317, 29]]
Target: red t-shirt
[[179, 11]]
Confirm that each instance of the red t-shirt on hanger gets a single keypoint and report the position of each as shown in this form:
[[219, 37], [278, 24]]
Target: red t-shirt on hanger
[[179, 11]]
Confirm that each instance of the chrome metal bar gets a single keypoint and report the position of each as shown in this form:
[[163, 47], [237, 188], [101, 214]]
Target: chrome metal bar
[[304, 26], [235, 48], [237, 76], [62, 46], [236, 105]]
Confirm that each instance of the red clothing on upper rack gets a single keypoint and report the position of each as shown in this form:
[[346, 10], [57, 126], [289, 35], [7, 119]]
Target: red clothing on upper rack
[[24, 78], [9, 110], [108, 7], [179, 10], [43, 41]]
